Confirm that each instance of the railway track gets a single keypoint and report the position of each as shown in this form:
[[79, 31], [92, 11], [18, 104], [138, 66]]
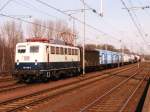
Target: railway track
[[117, 98], [9, 78], [119, 68], [13, 86], [5, 84], [5, 79], [5, 76], [22, 102]]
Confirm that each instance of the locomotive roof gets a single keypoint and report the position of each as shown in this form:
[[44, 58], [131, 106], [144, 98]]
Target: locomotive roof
[[41, 43]]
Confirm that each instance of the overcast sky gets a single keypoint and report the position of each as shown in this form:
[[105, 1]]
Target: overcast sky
[[116, 22]]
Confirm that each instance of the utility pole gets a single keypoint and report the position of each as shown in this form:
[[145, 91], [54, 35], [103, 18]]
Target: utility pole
[[74, 33], [75, 11], [106, 54], [101, 8], [3, 57], [83, 39], [121, 52], [73, 30]]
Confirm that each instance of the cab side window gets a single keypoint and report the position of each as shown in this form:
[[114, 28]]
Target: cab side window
[[57, 50], [73, 52], [69, 51], [76, 52], [66, 51], [52, 50], [61, 50]]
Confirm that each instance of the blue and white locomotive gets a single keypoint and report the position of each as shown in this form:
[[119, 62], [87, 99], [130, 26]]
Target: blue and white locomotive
[[38, 59]]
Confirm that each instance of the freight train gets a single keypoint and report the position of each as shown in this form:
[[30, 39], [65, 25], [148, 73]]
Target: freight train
[[37, 59]]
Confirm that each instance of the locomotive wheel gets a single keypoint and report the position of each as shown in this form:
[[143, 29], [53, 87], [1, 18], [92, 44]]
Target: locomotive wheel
[[45, 79], [70, 74], [28, 80], [56, 76]]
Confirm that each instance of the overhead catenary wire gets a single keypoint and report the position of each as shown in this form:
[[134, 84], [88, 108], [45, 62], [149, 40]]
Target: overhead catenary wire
[[43, 12], [135, 15], [5, 5], [12, 17], [134, 22], [27, 5], [146, 11], [89, 26], [96, 12], [26, 21], [80, 21], [8, 16], [137, 25]]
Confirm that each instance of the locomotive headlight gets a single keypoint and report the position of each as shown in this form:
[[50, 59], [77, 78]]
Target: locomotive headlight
[[17, 62], [35, 62]]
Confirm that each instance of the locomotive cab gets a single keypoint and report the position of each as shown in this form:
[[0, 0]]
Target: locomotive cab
[[29, 58]]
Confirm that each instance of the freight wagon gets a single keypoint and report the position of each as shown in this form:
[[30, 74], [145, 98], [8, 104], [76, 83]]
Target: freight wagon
[[109, 58]]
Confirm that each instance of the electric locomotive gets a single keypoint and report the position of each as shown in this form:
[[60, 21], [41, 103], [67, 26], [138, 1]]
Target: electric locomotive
[[38, 59]]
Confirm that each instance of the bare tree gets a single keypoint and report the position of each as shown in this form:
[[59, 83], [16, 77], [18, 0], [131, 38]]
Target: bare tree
[[53, 30], [90, 46], [11, 33], [50, 30], [2, 55], [37, 29], [65, 33]]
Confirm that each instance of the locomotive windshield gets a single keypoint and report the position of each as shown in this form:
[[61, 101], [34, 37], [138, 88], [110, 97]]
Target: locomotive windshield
[[34, 49], [21, 49]]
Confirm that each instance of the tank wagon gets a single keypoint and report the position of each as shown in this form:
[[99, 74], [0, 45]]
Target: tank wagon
[[37, 59]]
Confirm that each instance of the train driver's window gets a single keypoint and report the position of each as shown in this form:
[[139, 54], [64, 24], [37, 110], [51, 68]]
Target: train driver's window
[[34, 49], [21, 49]]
